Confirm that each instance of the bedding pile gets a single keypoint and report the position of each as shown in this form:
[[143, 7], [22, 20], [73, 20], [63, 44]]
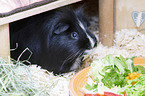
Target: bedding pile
[[17, 79], [127, 42]]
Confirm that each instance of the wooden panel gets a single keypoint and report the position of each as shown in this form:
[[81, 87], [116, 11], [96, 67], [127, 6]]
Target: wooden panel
[[123, 14], [35, 11], [4, 40], [106, 22]]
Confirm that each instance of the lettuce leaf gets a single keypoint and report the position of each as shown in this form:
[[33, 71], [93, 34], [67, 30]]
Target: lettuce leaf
[[113, 77]]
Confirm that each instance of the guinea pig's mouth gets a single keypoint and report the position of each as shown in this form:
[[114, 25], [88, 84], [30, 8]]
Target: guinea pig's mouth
[[73, 60]]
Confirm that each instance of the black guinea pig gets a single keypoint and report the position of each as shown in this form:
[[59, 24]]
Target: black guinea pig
[[58, 39]]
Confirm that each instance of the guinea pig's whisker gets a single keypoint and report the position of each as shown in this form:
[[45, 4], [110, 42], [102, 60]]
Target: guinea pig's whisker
[[74, 55], [69, 57]]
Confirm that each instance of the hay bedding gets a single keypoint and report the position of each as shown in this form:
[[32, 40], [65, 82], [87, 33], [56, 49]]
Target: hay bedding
[[17, 79], [127, 42]]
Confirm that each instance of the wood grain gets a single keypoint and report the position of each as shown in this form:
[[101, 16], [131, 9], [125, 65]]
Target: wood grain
[[106, 12], [36, 10], [4, 41], [123, 14]]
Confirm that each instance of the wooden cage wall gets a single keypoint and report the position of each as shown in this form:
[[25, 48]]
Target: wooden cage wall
[[115, 15]]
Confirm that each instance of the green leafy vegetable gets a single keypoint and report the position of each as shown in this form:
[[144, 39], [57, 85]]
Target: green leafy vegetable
[[138, 89], [113, 78], [93, 87], [110, 72], [120, 65]]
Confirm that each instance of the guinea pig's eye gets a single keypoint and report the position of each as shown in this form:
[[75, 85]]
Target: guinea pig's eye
[[74, 35]]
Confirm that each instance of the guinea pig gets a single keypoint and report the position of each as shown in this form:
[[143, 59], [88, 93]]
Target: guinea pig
[[58, 39]]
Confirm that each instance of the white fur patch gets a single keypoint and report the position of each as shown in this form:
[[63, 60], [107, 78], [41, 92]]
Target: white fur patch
[[82, 26], [91, 41], [89, 37]]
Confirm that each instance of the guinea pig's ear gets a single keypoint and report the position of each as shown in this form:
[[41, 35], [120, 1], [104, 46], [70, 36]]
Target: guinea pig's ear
[[61, 27]]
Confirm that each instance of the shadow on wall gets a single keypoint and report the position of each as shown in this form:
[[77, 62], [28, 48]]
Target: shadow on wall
[[91, 7]]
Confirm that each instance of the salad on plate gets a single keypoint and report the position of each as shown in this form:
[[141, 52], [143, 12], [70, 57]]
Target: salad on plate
[[115, 76]]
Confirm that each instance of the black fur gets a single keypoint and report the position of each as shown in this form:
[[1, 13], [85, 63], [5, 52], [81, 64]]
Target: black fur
[[54, 37]]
